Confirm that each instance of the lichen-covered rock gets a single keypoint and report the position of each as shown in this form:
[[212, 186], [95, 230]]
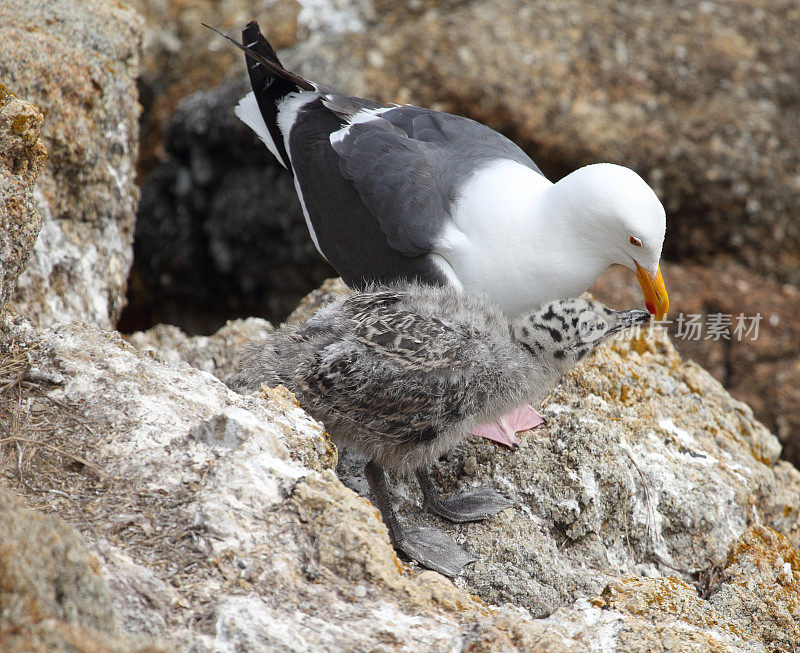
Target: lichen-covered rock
[[52, 594], [45, 570], [760, 589], [644, 466], [753, 605], [22, 155], [664, 614], [222, 523], [756, 355], [78, 61]]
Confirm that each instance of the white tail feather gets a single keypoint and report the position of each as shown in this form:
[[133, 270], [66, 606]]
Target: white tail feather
[[248, 112]]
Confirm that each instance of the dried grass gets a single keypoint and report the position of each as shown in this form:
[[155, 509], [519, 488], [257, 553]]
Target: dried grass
[[35, 436]]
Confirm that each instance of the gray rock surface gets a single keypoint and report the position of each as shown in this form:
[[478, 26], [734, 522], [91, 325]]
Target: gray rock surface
[[220, 522], [78, 61], [217, 354], [759, 589], [629, 475], [22, 156], [761, 367]]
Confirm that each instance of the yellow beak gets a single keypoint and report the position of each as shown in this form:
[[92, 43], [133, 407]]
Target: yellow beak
[[655, 292]]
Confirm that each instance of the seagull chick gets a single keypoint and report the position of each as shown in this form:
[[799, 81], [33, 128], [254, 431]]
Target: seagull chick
[[402, 374]]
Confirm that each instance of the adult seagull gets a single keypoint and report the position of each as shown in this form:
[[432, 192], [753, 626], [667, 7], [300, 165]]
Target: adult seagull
[[402, 192]]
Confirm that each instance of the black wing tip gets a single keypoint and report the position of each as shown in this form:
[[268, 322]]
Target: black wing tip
[[252, 33], [254, 39], [268, 59]]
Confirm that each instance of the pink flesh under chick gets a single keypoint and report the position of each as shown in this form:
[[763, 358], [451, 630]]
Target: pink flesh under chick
[[521, 418]]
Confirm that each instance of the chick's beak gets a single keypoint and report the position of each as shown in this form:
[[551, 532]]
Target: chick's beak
[[654, 291]]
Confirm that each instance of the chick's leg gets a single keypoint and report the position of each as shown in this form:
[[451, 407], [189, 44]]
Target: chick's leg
[[429, 547]]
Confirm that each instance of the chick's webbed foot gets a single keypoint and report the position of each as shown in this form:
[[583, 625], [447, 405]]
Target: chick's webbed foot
[[475, 505], [427, 546], [434, 550]]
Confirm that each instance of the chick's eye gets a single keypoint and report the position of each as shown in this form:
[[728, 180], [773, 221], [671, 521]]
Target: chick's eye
[[634, 241]]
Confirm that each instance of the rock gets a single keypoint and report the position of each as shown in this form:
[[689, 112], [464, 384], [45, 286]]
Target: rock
[[215, 240], [240, 532], [759, 589], [220, 522], [331, 290], [22, 156], [762, 367], [217, 354], [78, 61], [690, 98], [753, 605], [630, 475], [181, 57], [665, 614], [52, 594]]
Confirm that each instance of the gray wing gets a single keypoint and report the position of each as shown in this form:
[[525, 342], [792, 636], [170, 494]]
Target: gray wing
[[402, 375], [409, 164]]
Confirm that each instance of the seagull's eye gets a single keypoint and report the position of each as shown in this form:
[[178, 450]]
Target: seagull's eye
[[633, 240]]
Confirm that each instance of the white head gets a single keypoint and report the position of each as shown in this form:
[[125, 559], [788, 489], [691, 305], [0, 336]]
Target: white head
[[618, 216]]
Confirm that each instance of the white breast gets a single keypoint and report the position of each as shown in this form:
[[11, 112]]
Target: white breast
[[503, 243]]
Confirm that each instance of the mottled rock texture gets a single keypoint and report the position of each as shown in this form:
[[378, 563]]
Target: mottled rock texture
[[221, 522], [22, 155], [78, 61], [217, 354], [760, 589], [643, 507], [645, 466], [180, 56], [700, 98]]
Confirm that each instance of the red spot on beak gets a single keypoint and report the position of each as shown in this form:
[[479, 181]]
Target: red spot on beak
[[650, 308]]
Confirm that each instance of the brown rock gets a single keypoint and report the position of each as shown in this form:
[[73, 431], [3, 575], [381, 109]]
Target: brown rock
[[22, 155], [700, 99], [52, 595], [330, 290], [78, 61]]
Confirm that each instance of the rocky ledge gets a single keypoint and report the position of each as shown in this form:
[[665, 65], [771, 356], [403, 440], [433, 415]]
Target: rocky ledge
[[651, 510]]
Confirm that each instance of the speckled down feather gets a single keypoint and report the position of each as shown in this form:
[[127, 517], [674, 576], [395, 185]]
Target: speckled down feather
[[402, 373]]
